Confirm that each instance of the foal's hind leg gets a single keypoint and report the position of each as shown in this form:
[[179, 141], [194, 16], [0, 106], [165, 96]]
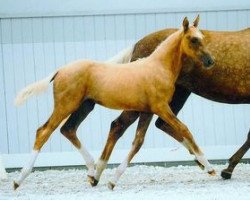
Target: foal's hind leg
[[117, 129], [235, 159], [183, 135], [69, 131], [144, 121], [42, 135]]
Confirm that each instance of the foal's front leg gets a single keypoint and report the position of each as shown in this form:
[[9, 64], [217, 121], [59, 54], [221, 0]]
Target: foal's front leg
[[180, 97], [118, 127], [183, 135], [144, 121]]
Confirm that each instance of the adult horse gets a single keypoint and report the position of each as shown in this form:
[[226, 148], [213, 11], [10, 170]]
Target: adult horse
[[146, 85], [227, 82]]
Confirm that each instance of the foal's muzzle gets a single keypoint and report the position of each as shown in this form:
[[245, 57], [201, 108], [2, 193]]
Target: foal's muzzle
[[207, 60]]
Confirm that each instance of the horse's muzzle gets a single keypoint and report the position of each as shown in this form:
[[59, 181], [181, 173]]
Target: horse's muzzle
[[207, 60]]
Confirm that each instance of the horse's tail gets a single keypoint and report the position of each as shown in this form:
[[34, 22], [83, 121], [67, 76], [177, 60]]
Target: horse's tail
[[123, 56], [34, 89]]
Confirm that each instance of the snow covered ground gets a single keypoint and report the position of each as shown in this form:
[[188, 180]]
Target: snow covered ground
[[138, 182]]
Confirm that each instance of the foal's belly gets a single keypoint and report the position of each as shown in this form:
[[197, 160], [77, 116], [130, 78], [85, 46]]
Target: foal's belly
[[119, 98], [123, 103]]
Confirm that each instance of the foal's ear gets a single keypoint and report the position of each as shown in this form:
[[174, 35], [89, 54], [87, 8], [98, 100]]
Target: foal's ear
[[185, 24], [196, 21]]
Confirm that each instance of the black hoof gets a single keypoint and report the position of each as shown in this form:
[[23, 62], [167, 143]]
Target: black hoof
[[93, 182], [226, 174], [15, 185], [111, 185]]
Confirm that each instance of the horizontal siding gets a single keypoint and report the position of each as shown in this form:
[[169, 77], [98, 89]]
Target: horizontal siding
[[31, 48], [48, 8]]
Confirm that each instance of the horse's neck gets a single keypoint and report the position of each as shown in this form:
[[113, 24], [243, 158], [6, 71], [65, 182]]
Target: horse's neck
[[168, 52]]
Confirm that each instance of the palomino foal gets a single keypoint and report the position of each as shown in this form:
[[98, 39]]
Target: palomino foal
[[145, 85]]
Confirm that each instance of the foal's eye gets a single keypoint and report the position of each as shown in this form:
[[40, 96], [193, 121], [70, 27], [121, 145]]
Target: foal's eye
[[194, 40]]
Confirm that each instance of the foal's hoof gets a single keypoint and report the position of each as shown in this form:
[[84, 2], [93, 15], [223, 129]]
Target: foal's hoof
[[111, 185], [225, 174], [212, 172], [15, 185], [199, 164], [93, 182]]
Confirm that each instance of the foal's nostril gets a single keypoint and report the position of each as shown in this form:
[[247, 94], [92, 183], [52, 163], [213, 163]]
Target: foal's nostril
[[210, 61], [207, 61]]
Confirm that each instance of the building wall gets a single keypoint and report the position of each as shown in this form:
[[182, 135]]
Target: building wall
[[37, 37]]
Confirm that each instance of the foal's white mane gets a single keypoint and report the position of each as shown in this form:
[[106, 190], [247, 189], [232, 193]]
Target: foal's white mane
[[167, 43]]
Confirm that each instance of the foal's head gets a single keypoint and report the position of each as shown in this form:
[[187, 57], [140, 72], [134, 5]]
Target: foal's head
[[192, 43]]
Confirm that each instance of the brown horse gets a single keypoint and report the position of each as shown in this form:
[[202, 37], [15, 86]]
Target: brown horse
[[227, 82], [145, 85]]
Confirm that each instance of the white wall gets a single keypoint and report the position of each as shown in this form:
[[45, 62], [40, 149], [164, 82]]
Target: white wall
[[38, 36]]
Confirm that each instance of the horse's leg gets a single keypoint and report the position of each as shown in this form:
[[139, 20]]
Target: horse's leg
[[63, 107], [183, 135], [117, 129], [180, 97], [144, 121], [69, 131], [42, 135], [235, 159]]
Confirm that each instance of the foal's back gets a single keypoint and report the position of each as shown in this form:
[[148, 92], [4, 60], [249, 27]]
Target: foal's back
[[113, 84]]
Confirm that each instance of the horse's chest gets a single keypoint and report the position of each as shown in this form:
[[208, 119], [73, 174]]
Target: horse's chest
[[162, 90]]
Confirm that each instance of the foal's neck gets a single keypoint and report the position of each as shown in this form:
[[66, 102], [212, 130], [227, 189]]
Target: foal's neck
[[169, 53]]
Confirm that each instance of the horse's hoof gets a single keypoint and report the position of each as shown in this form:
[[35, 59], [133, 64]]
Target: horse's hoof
[[15, 185], [212, 172], [199, 164], [111, 185], [226, 174], [93, 182]]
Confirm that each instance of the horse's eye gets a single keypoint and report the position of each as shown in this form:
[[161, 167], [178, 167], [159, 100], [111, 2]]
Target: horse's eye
[[194, 40]]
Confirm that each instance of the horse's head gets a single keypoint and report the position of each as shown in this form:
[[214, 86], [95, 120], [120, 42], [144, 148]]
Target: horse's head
[[192, 43]]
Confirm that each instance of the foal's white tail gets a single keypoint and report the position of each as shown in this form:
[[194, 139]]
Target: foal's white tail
[[123, 56], [38, 87], [33, 89]]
